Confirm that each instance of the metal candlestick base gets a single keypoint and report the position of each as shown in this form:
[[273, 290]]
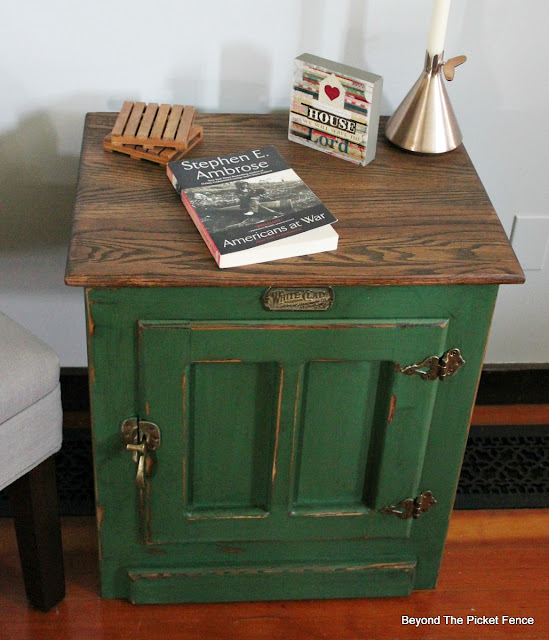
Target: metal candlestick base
[[425, 121]]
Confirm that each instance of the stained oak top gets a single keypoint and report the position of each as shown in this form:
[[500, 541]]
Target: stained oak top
[[405, 219]]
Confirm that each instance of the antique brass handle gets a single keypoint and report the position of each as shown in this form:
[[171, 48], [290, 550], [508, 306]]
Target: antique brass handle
[[139, 454], [141, 438]]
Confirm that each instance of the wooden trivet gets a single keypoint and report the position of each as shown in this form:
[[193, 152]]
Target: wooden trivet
[[150, 125], [156, 133], [160, 155]]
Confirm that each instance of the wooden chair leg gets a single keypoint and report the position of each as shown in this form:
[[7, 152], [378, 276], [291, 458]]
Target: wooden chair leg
[[34, 505]]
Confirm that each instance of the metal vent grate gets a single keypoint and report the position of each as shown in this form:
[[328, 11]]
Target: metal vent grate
[[505, 467]]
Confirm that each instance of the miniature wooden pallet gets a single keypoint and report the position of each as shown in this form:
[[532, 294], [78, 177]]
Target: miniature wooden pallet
[[156, 133], [150, 125], [160, 155]]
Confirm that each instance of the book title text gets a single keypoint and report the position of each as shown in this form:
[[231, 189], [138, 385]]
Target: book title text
[[227, 166]]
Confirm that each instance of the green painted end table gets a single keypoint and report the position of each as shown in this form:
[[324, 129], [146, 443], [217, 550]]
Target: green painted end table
[[244, 452]]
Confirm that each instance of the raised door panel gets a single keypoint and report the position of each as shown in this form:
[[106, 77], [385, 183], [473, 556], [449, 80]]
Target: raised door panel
[[229, 444], [333, 436]]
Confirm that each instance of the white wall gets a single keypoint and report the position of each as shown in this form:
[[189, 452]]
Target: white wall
[[60, 59]]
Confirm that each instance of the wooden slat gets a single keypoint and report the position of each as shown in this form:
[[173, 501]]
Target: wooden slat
[[173, 123], [195, 136], [166, 155], [122, 118], [152, 154], [160, 122], [151, 126], [139, 153], [160, 154], [185, 125], [147, 121], [158, 137], [134, 119]]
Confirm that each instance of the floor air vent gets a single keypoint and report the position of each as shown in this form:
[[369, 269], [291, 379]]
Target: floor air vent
[[505, 467]]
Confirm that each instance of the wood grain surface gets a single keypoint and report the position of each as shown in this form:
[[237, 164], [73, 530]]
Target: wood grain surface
[[493, 565], [405, 219]]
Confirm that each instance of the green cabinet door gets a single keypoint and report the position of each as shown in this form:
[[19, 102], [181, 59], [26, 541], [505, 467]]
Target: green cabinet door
[[281, 431]]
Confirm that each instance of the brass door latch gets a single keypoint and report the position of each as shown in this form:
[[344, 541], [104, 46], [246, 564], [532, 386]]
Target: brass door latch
[[434, 368], [141, 438], [412, 508]]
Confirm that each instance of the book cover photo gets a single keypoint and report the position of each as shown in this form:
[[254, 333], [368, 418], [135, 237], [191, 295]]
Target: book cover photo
[[252, 207]]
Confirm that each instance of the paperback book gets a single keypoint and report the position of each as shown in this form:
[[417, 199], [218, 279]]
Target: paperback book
[[252, 207]]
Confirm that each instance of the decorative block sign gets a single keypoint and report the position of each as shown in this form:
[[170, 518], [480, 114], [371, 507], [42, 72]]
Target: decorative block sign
[[335, 108]]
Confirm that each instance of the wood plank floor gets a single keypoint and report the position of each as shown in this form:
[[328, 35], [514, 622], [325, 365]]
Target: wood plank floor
[[496, 563]]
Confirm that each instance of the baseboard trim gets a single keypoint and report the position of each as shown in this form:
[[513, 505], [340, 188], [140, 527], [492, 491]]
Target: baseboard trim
[[514, 384]]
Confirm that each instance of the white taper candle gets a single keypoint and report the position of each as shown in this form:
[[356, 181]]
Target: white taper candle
[[439, 25]]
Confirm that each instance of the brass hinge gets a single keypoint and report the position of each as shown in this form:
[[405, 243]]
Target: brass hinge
[[140, 437], [434, 368], [411, 508]]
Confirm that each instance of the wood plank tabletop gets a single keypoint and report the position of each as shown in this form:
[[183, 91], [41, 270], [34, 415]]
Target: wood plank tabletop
[[405, 219]]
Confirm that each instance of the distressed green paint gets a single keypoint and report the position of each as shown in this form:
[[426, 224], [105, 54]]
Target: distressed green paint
[[231, 452], [330, 456], [227, 415], [272, 423], [272, 582]]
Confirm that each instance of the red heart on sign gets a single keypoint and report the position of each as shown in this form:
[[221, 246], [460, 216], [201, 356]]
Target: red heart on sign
[[331, 92]]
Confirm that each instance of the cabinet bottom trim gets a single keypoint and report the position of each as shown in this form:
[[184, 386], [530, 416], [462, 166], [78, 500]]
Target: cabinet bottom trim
[[291, 582]]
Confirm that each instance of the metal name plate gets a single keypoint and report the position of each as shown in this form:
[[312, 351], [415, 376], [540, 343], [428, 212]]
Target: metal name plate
[[298, 298]]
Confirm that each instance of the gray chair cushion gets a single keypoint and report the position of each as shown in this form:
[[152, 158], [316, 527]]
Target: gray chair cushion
[[30, 437], [29, 369]]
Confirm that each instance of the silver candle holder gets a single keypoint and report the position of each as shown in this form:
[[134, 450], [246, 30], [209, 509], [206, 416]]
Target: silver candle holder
[[425, 121]]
